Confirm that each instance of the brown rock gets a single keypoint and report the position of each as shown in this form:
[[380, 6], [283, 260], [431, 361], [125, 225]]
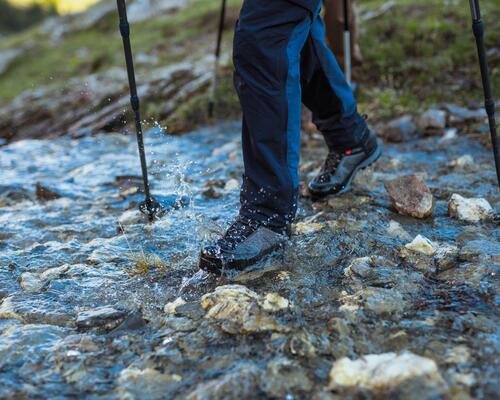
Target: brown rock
[[411, 196], [43, 193]]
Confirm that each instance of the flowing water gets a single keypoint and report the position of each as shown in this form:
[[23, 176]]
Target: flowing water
[[90, 249]]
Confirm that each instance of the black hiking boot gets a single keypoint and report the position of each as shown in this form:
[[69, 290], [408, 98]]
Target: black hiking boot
[[245, 243], [341, 167]]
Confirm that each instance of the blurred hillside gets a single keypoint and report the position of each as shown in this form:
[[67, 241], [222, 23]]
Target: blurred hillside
[[416, 55], [62, 6]]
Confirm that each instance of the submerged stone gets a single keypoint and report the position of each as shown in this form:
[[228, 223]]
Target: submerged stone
[[470, 210], [382, 372], [411, 196], [148, 383], [44, 193], [101, 317], [240, 310], [242, 384]]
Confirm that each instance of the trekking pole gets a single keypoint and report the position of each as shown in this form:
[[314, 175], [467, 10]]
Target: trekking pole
[[222, 18], [347, 43], [150, 206], [489, 103]]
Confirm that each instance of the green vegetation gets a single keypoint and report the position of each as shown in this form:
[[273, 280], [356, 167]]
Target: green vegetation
[[15, 19], [147, 263], [422, 53], [416, 54]]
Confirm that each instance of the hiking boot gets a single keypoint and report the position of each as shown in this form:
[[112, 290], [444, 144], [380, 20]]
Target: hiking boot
[[245, 243], [340, 167]]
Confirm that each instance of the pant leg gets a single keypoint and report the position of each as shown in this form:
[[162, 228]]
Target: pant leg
[[268, 40], [327, 94]]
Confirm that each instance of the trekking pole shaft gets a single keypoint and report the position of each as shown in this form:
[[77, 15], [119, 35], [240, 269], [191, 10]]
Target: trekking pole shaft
[[134, 98], [489, 103], [218, 48], [347, 42]]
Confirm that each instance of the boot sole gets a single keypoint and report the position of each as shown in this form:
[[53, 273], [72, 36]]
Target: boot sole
[[218, 266], [365, 164]]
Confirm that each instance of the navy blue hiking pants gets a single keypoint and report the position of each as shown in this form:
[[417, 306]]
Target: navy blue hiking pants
[[281, 60]]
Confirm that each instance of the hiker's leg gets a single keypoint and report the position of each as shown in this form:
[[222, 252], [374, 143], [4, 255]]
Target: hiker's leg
[[268, 41], [327, 94]]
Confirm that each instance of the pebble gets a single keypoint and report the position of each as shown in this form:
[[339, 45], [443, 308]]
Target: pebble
[[469, 209], [43, 193], [381, 372], [241, 310], [432, 119], [422, 245], [411, 196], [395, 230], [170, 308], [106, 316], [148, 383], [399, 130]]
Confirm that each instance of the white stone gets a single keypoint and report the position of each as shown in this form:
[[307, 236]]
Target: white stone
[[395, 230], [381, 371], [432, 119], [232, 184], [241, 310], [422, 245], [469, 209], [171, 307], [304, 228], [465, 161]]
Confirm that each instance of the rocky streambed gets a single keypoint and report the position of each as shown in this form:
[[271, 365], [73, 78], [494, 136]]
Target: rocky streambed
[[364, 303]]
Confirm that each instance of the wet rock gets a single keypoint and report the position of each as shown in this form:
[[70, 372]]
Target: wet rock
[[382, 372], [105, 317], [232, 184], [395, 230], [369, 268], [461, 114], [307, 228], [450, 134], [33, 282], [446, 257], [432, 120], [131, 217], [240, 384], [28, 345], [240, 310], [148, 383], [465, 163], [469, 209], [170, 308], [13, 194], [411, 196], [419, 254], [399, 130], [37, 309], [422, 245], [44, 193], [487, 251], [285, 376], [374, 300]]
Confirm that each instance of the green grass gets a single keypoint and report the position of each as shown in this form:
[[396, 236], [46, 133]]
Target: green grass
[[417, 54], [423, 53]]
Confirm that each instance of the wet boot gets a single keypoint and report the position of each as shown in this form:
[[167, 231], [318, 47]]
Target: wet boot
[[341, 167], [245, 243]]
